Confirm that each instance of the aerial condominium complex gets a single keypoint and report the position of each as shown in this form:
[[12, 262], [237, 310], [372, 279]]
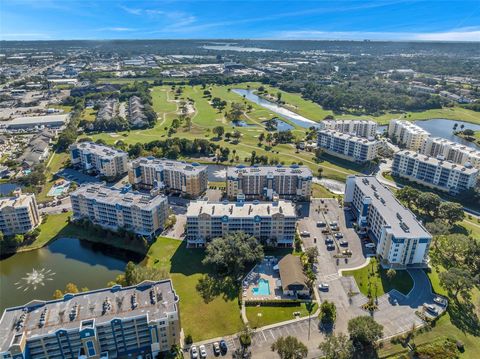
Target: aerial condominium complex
[[119, 208], [270, 222], [18, 214], [407, 134], [346, 146], [106, 161], [400, 238], [442, 148], [190, 179], [360, 128], [118, 322], [266, 182], [433, 172]]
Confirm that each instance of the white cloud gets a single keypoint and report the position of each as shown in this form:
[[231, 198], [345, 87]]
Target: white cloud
[[117, 29], [25, 36]]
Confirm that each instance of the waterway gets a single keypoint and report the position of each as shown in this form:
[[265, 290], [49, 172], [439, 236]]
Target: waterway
[[37, 274], [440, 127]]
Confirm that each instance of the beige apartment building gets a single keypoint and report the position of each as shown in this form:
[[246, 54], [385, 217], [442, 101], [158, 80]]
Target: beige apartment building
[[267, 182], [348, 147], [188, 179], [359, 128], [442, 148], [18, 214], [407, 134], [139, 321]]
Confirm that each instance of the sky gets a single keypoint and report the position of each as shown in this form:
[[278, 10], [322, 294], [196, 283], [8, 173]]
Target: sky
[[440, 20]]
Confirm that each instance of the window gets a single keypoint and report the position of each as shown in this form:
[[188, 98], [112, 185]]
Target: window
[[91, 348]]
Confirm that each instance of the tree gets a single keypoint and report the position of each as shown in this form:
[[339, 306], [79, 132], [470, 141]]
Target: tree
[[279, 96], [233, 252], [451, 212], [219, 131], [311, 254], [328, 313], [336, 347], [454, 250], [391, 273], [290, 348], [135, 274], [457, 281], [364, 332], [429, 203], [57, 294], [236, 111], [71, 288], [408, 194], [438, 227], [245, 337]]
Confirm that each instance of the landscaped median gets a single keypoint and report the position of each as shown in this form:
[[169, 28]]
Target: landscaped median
[[267, 313]]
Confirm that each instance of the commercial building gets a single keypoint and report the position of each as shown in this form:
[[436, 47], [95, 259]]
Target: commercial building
[[92, 157], [401, 240], [292, 277], [189, 179], [433, 172], [18, 214], [114, 208], [269, 222], [266, 182], [36, 122], [407, 134], [444, 149], [359, 128], [118, 322], [351, 148]]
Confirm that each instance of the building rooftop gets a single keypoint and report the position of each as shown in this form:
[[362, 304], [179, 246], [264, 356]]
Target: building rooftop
[[40, 318], [266, 170], [370, 122], [454, 145], [437, 162], [410, 126], [16, 201], [193, 168], [122, 197], [403, 223], [100, 150], [347, 137], [239, 209], [36, 120]]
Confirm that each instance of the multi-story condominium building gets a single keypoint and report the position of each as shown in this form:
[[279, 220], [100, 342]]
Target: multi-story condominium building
[[270, 222], [432, 172], [401, 240], [104, 160], [266, 182], [442, 148], [407, 134], [346, 146], [18, 214], [360, 128], [119, 208], [189, 179], [118, 322]]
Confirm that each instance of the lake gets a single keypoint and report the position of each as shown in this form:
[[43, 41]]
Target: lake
[[37, 274], [440, 127]]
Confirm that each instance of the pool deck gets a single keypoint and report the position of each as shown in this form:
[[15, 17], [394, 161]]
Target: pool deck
[[264, 271]]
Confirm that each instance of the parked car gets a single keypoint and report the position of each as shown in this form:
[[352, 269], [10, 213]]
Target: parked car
[[328, 240], [333, 224], [304, 233], [64, 210], [194, 352], [441, 301], [339, 235], [343, 243], [347, 252], [216, 348], [431, 308], [323, 286], [223, 346], [325, 230], [321, 224], [203, 351], [330, 247], [370, 245]]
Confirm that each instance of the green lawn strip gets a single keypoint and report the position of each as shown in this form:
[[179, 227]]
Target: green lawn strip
[[259, 316], [318, 191], [88, 114], [49, 230], [55, 162], [470, 227], [401, 282], [202, 320]]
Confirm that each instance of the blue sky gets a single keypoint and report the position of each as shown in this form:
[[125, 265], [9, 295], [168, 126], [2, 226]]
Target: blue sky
[[295, 19]]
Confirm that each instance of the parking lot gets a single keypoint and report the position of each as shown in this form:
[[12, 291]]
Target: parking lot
[[76, 176]]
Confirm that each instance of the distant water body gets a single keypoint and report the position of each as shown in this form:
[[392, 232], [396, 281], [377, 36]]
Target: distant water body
[[228, 47]]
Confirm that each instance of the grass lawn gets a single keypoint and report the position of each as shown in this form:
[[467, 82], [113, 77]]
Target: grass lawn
[[471, 226], [221, 315], [401, 282], [274, 314], [318, 191], [88, 114], [56, 161], [49, 230]]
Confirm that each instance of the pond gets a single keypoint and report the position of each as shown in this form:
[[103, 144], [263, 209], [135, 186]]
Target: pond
[[37, 274], [280, 125], [279, 110], [441, 127], [7, 188]]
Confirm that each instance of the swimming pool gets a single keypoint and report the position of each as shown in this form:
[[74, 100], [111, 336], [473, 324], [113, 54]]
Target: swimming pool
[[263, 288]]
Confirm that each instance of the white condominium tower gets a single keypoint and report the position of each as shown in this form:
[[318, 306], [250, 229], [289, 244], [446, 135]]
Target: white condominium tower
[[359, 128], [119, 208], [401, 240], [407, 134], [266, 182], [433, 172], [351, 148], [442, 148], [269, 222], [18, 214], [104, 160], [189, 179]]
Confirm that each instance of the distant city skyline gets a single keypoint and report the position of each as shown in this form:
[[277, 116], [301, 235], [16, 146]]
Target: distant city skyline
[[170, 19]]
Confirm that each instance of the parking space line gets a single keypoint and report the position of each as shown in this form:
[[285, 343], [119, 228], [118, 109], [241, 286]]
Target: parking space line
[[271, 333]]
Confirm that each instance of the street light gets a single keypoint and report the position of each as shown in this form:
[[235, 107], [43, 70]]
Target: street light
[[259, 315]]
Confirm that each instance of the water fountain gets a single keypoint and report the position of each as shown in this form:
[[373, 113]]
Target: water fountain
[[34, 279]]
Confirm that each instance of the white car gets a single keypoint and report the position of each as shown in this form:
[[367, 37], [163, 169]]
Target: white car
[[304, 233], [431, 309], [194, 352], [441, 301], [370, 245], [339, 235], [203, 351], [323, 286], [216, 348]]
